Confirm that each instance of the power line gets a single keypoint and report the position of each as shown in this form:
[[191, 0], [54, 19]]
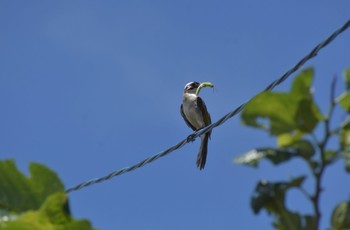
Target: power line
[[196, 134]]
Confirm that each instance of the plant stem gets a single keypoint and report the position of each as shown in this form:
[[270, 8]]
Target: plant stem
[[318, 173], [316, 198]]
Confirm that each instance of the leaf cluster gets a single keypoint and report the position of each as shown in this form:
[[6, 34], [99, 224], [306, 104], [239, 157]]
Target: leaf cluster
[[292, 117], [34, 202]]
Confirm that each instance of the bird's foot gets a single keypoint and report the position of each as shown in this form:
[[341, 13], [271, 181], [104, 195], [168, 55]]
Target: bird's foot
[[191, 138]]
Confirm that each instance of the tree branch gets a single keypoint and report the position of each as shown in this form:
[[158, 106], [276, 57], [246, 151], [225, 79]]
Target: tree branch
[[318, 173]]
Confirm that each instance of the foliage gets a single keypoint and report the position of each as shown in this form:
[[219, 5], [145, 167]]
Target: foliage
[[34, 202], [291, 117]]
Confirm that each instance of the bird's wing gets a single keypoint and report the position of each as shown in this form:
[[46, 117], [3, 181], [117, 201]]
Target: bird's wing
[[184, 117], [204, 111]]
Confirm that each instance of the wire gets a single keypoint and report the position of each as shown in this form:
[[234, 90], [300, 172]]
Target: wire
[[206, 129]]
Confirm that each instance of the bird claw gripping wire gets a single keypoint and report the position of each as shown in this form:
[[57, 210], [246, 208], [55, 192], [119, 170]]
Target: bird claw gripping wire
[[190, 138]]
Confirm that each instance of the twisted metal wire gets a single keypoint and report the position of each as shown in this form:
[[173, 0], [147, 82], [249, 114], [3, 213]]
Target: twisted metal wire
[[206, 129]]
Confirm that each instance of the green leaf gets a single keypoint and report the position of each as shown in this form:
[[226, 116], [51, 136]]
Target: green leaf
[[307, 115], [330, 156], [302, 84], [34, 202], [344, 100], [301, 147], [315, 165], [253, 157], [250, 158], [297, 182], [309, 222], [285, 112], [288, 139], [347, 78], [344, 139], [304, 148], [53, 214], [278, 108], [341, 216], [267, 196], [271, 197], [293, 220], [19, 193]]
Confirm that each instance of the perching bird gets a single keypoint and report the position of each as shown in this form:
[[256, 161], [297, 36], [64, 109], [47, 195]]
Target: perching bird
[[196, 116]]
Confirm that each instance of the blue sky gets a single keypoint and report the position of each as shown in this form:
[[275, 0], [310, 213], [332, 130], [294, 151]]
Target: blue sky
[[88, 87]]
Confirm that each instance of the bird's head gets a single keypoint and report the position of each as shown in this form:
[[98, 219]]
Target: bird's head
[[191, 87]]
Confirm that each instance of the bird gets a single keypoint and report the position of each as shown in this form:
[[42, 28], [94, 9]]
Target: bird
[[195, 113]]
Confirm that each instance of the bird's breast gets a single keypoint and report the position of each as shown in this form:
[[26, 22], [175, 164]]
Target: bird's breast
[[192, 112]]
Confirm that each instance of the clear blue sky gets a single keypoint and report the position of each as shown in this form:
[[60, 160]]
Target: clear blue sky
[[88, 87]]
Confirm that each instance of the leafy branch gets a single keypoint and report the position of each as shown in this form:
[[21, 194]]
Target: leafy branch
[[292, 118], [34, 202]]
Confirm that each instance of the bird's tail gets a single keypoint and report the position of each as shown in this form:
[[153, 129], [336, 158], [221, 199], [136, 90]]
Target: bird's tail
[[203, 150]]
